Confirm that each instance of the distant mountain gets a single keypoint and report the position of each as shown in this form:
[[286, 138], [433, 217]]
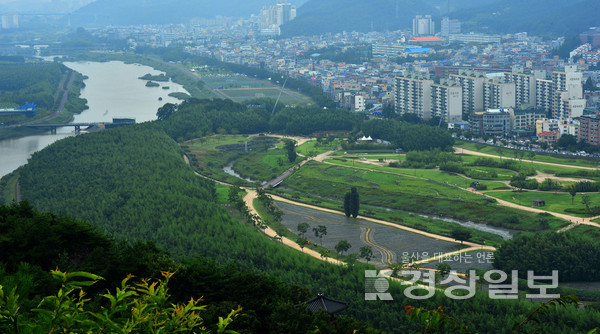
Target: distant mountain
[[538, 17], [321, 16], [42, 6], [134, 12]]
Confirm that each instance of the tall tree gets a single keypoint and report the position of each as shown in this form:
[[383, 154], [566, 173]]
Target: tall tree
[[572, 192], [342, 246], [347, 205], [320, 231], [290, 147], [354, 202], [460, 235], [302, 228], [366, 252]]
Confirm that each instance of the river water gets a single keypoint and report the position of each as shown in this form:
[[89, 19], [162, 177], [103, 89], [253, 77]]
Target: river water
[[112, 90]]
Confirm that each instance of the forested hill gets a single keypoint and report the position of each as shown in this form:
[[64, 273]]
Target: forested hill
[[132, 12], [537, 17], [322, 16]]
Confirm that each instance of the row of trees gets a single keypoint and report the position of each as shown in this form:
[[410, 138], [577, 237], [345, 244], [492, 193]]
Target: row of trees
[[575, 257]]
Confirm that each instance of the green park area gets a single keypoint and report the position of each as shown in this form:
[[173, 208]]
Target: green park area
[[241, 88], [526, 155], [259, 159]]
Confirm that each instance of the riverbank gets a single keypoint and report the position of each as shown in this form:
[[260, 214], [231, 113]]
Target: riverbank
[[177, 72], [68, 102]]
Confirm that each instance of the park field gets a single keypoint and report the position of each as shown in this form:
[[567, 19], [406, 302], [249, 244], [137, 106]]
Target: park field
[[408, 193], [241, 88], [493, 150], [557, 202]]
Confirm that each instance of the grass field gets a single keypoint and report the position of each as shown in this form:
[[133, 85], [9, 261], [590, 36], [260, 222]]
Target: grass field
[[264, 166], [241, 94], [555, 202], [313, 147], [538, 157], [241, 88], [233, 81], [430, 174], [400, 192]]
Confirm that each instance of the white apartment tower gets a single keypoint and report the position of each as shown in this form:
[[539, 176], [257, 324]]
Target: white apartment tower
[[10, 21], [449, 27], [277, 15], [567, 99], [423, 25], [472, 90], [525, 87], [498, 95], [413, 95], [446, 101]]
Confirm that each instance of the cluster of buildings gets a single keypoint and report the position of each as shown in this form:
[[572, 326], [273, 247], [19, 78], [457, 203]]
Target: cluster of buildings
[[468, 92], [489, 84], [273, 17]]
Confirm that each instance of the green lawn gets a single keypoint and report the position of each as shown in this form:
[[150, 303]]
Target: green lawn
[[239, 95], [540, 167], [228, 82], [314, 147], [264, 166], [555, 202], [222, 193], [430, 174], [402, 192], [538, 157]]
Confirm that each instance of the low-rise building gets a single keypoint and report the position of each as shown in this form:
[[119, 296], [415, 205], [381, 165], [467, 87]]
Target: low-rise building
[[493, 122]]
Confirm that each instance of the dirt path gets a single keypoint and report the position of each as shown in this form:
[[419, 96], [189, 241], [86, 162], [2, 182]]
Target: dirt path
[[249, 200], [469, 152], [572, 219], [540, 177]]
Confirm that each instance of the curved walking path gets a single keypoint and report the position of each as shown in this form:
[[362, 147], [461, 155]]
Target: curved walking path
[[469, 152], [249, 200]]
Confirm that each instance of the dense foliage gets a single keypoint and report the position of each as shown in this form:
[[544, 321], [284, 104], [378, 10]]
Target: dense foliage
[[410, 137], [307, 120], [197, 118], [30, 82], [35, 242], [577, 258]]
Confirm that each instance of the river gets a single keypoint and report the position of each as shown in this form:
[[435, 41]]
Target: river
[[112, 90]]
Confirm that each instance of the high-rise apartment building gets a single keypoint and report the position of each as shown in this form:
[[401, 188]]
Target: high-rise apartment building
[[423, 26], [277, 15], [525, 87], [472, 89], [449, 27], [446, 101], [589, 129], [567, 93], [413, 95], [543, 95], [10, 21], [498, 94]]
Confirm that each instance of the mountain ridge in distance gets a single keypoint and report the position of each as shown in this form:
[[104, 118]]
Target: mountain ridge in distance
[[538, 17], [138, 12]]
